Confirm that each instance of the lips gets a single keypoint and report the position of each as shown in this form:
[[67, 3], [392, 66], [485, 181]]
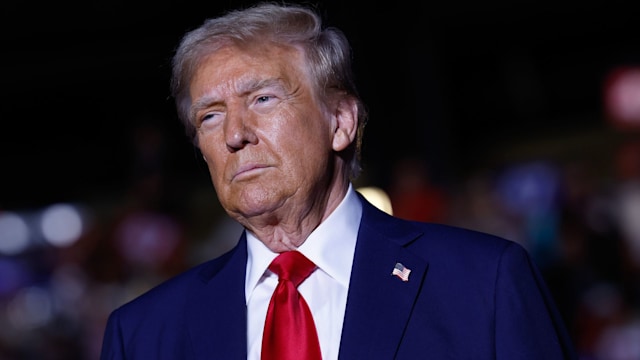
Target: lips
[[248, 170]]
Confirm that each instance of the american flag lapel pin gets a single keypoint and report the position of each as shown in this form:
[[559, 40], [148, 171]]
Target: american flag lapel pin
[[401, 271]]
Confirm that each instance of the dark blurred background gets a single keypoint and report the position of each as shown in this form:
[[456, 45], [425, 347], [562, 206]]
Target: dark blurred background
[[516, 118]]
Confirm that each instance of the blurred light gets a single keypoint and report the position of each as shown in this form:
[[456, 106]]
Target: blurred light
[[622, 97], [69, 286], [13, 276], [377, 197], [30, 308], [148, 238], [14, 233], [528, 188], [61, 225], [627, 210]]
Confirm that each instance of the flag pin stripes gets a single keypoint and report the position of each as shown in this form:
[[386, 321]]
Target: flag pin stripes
[[401, 271]]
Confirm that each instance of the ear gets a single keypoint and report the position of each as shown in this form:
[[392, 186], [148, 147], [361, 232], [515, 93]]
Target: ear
[[346, 123]]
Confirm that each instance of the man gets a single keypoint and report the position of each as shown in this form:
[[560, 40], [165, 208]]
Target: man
[[268, 97]]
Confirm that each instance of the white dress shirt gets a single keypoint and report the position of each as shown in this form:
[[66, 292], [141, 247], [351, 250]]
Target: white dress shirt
[[331, 247]]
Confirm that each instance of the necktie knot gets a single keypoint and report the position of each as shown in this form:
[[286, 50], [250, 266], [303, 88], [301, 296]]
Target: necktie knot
[[292, 266]]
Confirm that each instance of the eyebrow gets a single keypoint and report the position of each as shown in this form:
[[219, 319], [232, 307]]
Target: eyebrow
[[201, 103], [253, 85], [245, 87]]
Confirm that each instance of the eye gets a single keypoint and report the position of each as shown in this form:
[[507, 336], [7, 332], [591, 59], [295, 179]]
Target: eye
[[263, 98], [209, 119]]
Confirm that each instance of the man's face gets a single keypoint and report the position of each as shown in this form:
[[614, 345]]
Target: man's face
[[265, 136]]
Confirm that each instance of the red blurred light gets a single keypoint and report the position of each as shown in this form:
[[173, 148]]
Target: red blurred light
[[622, 97]]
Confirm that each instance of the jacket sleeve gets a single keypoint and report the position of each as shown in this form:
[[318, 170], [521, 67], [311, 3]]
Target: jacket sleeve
[[527, 322], [112, 342]]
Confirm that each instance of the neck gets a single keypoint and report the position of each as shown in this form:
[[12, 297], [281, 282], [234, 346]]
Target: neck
[[288, 227]]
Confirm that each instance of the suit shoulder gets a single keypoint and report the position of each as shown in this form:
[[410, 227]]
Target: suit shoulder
[[432, 237], [456, 233], [169, 293], [458, 241], [173, 292]]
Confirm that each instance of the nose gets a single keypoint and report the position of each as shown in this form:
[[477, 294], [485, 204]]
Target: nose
[[238, 130]]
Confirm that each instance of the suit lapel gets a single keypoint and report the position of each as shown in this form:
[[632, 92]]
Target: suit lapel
[[218, 310], [379, 304]]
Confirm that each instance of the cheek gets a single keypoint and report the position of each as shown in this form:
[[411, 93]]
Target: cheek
[[208, 142], [212, 155], [307, 155]]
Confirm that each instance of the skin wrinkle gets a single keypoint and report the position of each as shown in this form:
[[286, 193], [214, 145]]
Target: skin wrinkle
[[272, 144]]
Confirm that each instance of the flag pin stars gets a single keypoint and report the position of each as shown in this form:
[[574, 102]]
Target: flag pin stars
[[401, 271]]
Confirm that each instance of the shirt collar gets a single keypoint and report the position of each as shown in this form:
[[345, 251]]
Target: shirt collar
[[330, 246]]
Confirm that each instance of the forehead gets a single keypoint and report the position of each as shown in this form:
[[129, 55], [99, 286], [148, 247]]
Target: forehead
[[233, 67]]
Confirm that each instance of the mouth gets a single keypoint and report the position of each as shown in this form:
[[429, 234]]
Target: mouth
[[247, 171]]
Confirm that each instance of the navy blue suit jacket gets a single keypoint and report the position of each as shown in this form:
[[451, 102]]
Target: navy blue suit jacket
[[469, 296]]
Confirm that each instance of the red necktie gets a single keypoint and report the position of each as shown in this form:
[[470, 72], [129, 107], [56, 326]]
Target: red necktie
[[289, 331]]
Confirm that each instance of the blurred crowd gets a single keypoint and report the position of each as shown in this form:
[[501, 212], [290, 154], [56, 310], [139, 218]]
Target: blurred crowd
[[581, 223]]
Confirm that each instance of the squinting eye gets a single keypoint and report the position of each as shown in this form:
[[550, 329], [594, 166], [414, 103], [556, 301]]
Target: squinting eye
[[207, 117], [263, 98]]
